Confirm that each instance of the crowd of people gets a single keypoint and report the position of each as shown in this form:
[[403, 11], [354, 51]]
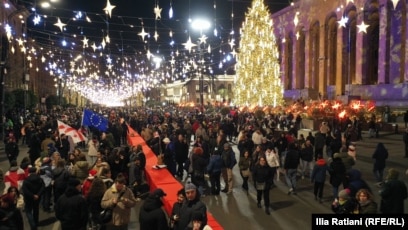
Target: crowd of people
[[58, 175]]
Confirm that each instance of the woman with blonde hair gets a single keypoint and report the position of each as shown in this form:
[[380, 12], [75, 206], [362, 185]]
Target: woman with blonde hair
[[366, 201]]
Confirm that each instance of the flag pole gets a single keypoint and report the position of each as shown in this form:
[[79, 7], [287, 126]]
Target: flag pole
[[83, 115]]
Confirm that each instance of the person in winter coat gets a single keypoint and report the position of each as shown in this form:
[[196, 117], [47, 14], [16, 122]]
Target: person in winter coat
[[393, 193], [81, 168], [318, 177], [93, 149], [199, 164], [35, 148], [263, 179], [272, 158], [192, 206], [176, 210], [380, 155], [346, 158], [121, 199], [345, 204], [60, 176], [11, 149], [33, 187], [63, 146], [71, 208], [245, 165], [366, 201], [229, 160], [10, 216], [337, 172], [356, 182], [169, 156], [214, 171], [320, 141], [306, 159], [181, 150], [291, 164], [93, 201], [46, 176], [151, 214]]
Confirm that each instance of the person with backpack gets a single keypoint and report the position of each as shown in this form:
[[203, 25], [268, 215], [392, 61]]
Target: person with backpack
[[229, 161]]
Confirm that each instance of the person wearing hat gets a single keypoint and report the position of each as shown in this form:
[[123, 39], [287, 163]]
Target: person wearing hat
[[88, 181], [71, 208], [229, 161], [192, 205], [393, 193], [151, 213], [345, 204], [32, 188]]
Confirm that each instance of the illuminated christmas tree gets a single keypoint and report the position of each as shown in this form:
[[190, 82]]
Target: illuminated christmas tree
[[258, 72]]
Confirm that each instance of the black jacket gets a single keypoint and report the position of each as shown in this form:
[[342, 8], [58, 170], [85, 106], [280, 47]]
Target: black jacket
[[32, 185], [151, 215], [262, 174], [71, 210], [190, 208], [292, 159]]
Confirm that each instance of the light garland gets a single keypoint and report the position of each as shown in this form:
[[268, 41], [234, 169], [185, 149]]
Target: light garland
[[258, 70]]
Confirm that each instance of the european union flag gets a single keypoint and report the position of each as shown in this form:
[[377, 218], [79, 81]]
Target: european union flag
[[92, 119]]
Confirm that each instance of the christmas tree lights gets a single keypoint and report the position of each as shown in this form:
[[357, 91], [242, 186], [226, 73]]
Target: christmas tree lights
[[258, 71]]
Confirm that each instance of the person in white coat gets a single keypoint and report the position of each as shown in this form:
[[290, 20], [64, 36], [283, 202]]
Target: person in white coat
[[93, 150]]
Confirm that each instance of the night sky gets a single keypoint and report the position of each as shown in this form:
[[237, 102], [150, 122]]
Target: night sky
[[129, 15], [136, 12]]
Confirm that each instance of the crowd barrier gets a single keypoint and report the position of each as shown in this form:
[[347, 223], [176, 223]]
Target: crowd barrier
[[162, 178]]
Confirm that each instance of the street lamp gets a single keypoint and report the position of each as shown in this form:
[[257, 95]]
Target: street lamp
[[201, 25]]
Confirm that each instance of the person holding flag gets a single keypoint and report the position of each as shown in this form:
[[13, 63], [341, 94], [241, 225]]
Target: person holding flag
[[69, 131]]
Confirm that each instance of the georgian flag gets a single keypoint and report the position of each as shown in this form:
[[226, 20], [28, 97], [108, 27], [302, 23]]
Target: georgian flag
[[68, 130]]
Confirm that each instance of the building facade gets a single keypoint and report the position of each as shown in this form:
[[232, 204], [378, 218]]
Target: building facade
[[344, 48], [217, 88]]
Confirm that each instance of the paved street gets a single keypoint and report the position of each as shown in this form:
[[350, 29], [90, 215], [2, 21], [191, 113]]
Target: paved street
[[239, 210]]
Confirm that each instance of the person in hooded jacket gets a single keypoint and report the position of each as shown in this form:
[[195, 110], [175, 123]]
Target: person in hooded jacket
[[380, 155], [356, 182], [71, 208], [151, 214], [318, 177]]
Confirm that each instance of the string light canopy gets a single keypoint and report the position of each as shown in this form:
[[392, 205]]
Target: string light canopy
[[87, 55]]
